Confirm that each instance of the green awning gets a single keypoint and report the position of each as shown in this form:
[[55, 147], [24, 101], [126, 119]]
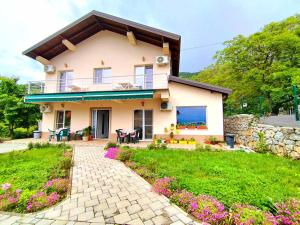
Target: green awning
[[89, 96]]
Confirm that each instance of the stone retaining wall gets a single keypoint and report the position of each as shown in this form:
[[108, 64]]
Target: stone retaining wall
[[284, 141]]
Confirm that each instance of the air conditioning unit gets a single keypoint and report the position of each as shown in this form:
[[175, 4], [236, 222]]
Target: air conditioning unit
[[49, 69], [45, 108], [162, 60], [166, 106]]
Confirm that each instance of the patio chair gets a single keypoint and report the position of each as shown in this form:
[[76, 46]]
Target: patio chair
[[63, 133], [134, 136], [78, 134], [139, 134], [51, 134], [121, 136]]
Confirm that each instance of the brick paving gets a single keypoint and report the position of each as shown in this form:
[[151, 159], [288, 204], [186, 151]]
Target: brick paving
[[105, 191]]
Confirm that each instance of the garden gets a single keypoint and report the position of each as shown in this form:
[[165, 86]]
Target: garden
[[221, 187], [35, 178]]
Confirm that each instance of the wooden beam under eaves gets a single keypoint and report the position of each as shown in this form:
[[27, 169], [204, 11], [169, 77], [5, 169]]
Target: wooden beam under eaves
[[43, 60], [131, 38], [166, 48], [69, 45]]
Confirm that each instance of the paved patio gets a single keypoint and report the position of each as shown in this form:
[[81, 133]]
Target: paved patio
[[104, 191]]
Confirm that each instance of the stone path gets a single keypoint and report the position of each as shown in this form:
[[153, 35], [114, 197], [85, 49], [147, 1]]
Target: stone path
[[104, 191], [8, 147]]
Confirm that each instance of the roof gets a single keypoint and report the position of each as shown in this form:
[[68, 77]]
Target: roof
[[94, 22], [209, 87]]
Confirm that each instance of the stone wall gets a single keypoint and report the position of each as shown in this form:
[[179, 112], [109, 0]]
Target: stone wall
[[283, 141]]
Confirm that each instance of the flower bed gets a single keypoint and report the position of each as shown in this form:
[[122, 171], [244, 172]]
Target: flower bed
[[26, 199], [207, 208]]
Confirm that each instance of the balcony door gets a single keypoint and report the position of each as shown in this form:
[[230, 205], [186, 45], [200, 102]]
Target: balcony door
[[65, 79], [144, 77], [143, 119]]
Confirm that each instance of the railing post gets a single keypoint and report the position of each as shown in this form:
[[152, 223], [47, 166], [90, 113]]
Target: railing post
[[28, 86]]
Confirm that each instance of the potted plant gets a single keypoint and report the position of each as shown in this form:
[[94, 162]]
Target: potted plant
[[191, 126], [181, 126], [87, 134], [201, 126]]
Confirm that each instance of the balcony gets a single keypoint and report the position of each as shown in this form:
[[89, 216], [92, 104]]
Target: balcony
[[76, 83]]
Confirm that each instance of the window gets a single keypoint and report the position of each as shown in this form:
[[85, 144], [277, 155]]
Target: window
[[102, 76], [191, 115], [63, 119], [65, 79]]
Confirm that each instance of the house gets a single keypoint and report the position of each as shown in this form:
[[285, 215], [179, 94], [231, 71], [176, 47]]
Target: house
[[111, 73]]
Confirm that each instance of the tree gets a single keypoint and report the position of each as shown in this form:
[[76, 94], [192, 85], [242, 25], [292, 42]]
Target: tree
[[13, 111], [265, 64]]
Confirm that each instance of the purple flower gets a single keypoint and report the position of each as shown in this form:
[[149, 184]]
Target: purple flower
[[6, 186], [112, 153], [194, 205]]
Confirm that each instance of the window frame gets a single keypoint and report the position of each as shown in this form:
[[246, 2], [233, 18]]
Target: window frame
[[204, 106], [97, 78]]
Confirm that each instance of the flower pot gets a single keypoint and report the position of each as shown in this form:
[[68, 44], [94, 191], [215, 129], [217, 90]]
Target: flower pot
[[202, 127], [181, 127], [85, 138], [192, 142], [191, 127], [183, 142]]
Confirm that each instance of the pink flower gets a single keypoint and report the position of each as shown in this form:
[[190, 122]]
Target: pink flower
[[163, 186], [112, 153], [6, 186], [194, 205]]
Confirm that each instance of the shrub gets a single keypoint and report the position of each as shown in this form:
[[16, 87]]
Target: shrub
[[261, 144], [247, 214], [112, 153], [182, 198], [163, 186], [144, 172], [9, 199], [57, 185], [41, 200], [157, 146], [30, 145], [20, 132], [208, 209], [111, 145], [4, 131], [131, 165], [124, 155], [24, 198], [213, 140], [288, 213]]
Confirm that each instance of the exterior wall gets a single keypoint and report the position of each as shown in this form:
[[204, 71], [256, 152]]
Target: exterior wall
[[114, 51], [122, 112], [283, 141]]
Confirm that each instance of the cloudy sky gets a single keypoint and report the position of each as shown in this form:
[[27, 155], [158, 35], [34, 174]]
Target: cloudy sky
[[199, 22]]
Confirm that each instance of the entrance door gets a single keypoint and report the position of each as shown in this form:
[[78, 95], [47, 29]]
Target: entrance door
[[100, 120], [143, 119]]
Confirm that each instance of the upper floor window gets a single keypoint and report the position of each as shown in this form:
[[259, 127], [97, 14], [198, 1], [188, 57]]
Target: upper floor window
[[102, 76]]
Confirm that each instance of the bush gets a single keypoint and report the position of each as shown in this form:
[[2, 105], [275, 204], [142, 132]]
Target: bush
[[57, 185], [207, 209], [163, 186], [124, 155], [182, 198], [41, 200], [157, 146], [144, 172], [30, 145], [288, 213], [247, 214], [112, 153], [4, 131], [20, 132], [24, 198], [9, 198], [111, 145], [261, 144]]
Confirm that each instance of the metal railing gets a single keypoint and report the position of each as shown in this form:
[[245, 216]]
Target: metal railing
[[76, 83]]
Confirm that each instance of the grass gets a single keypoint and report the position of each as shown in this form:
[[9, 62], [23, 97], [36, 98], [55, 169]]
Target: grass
[[231, 177], [29, 169]]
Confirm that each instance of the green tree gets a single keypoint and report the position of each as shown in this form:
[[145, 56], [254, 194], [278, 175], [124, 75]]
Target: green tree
[[266, 64], [13, 111]]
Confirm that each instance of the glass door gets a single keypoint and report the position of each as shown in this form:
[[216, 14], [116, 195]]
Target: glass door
[[144, 77], [65, 79], [100, 120], [143, 119]]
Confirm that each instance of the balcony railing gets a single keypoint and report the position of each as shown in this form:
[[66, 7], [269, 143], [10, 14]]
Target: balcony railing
[[104, 83]]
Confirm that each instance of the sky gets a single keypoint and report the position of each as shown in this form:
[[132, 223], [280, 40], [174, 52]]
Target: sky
[[23, 23]]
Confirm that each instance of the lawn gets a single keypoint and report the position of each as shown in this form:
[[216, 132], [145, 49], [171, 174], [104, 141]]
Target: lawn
[[29, 169], [231, 177]]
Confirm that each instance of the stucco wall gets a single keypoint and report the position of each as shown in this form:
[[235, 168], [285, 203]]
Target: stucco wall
[[122, 113], [115, 51]]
